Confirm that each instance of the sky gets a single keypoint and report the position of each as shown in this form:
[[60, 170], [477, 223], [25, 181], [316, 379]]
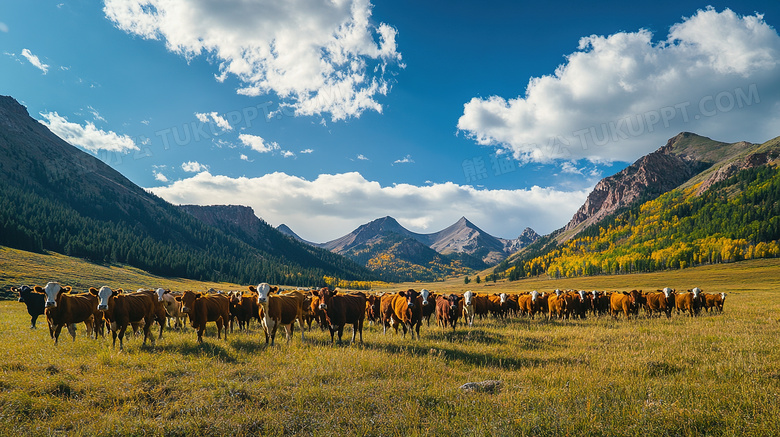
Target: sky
[[327, 114]]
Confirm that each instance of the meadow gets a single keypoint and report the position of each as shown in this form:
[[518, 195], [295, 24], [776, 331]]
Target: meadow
[[716, 374]]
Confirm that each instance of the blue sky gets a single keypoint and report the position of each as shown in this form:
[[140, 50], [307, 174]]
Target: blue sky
[[325, 115]]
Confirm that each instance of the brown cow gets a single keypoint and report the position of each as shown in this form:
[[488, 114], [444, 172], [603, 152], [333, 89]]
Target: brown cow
[[243, 308], [660, 301], [341, 309], [120, 309], [495, 304], [203, 308], [373, 308], [276, 309], [447, 310], [511, 306], [65, 309], [314, 309], [403, 308], [713, 301], [621, 301], [428, 305], [556, 305], [688, 302], [481, 305]]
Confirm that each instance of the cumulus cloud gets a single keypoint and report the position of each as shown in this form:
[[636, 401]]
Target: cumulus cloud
[[257, 143], [336, 204], [35, 61], [287, 154], [307, 151], [244, 157], [405, 160], [621, 96], [193, 167], [319, 56], [160, 177], [88, 137], [216, 118]]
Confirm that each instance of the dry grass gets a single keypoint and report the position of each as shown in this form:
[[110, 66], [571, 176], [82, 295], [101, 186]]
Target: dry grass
[[710, 375]]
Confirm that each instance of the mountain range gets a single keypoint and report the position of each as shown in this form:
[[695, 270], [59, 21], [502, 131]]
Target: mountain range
[[386, 246]]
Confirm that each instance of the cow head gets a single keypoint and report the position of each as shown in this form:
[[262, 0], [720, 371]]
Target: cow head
[[534, 295], [160, 292], [667, 292], [468, 298], [188, 300], [453, 299], [52, 290], [263, 290], [723, 296], [696, 291], [104, 295], [410, 295], [325, 297], [558, 293], [23, 291], [425, 294], [502, 297], [582, 294]]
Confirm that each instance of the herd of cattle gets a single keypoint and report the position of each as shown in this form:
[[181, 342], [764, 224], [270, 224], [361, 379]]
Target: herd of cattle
[[333, 310]]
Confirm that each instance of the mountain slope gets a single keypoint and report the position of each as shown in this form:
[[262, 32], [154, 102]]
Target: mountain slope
[[727, 212], [283, 228], [55, 197]]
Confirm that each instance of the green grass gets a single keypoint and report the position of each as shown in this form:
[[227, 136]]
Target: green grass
[[710, 375]]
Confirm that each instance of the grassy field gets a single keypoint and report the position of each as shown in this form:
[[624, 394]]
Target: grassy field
[[709, 375]]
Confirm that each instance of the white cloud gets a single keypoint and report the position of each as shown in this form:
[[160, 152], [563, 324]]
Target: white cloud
[[35, 61], [244, 157], [193, 167], [145, 122], [3, 27], [570, 167], [337, 204], [306, 151], [95, 114], [621, 96], [319, 56], [160, 177], [257, 143], [287, 154], [405, 160], [88, 136], [216, 118], [362, 157]]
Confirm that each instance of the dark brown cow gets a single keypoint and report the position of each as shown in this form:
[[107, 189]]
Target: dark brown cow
[[638, 300], [556, 305], [512, 305], [373, 308], [121, 309], [279, 309], [404, 308], [33, 300], [203, 308], [481, 305], [495, 303], [341, 309], [68, 309], [447, 310], [428, 305], [243, 308]]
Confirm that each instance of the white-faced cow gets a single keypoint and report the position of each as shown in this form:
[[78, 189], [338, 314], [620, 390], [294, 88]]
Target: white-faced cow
[[279, 309], [341, 309], [64, 309], [121, 309]]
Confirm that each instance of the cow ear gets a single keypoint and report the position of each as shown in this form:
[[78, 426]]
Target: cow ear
[[67, 289], [38, 288], [198, 295], [118, 291], [93, 290], [274, 289], [252, 289], [401, 293], [178, 298], [334, 292]]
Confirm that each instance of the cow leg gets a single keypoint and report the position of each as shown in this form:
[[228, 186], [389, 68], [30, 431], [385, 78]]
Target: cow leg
[[121, 335], [72, 330], [300, 325], [57, 330], [201, 328], [33, 319], [341, 332]]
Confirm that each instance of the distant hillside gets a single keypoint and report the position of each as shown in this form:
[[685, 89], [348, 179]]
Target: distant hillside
[[242, 223], [55, 197], [283, 228], [728, 210]]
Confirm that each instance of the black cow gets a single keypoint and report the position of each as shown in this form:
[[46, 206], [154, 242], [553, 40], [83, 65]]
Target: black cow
[[36, 302]]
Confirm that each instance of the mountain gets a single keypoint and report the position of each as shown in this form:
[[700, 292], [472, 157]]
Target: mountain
[[693, 201], [56, 197], [385, 246], [283, 228]]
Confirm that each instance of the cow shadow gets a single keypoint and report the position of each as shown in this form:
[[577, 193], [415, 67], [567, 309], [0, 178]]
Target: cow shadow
[[481, 359], [216, 350]]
